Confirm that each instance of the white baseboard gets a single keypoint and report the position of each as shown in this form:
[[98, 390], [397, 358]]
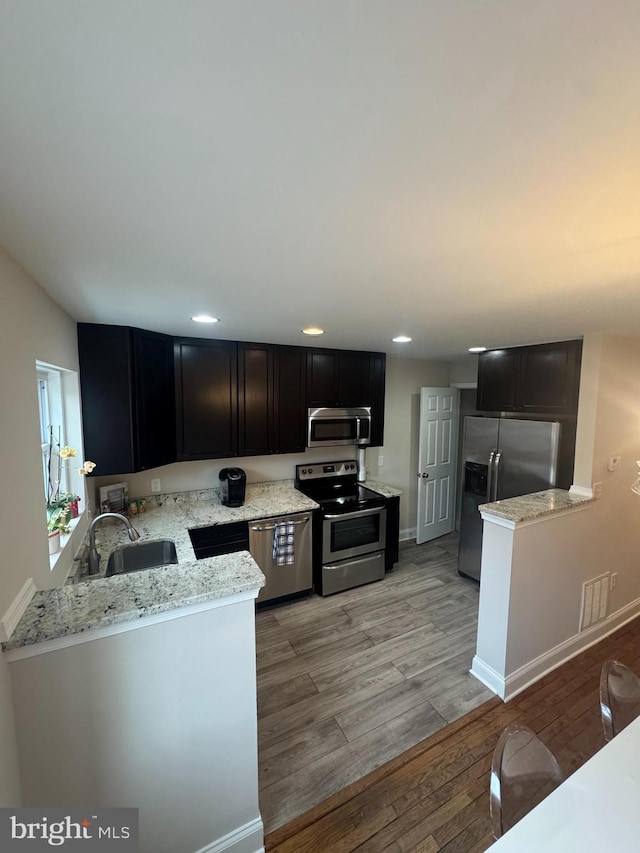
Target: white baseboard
[[409, 533], [488, 676], [16, 609], [523, 677], [245, 839]]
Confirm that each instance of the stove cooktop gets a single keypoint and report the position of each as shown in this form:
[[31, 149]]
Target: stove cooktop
[[335, 487]]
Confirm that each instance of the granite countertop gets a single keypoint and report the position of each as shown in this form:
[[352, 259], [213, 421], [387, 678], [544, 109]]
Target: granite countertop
[[536, 505], [86, 603], [382, 489]]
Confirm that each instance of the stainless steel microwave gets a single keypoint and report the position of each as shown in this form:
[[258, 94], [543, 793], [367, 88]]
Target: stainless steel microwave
[[331, 427]]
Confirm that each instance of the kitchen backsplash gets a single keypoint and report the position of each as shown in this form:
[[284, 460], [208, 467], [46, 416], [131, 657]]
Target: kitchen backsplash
[[188, 477]]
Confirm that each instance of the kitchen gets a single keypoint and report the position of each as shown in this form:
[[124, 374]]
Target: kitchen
[[52, 249]]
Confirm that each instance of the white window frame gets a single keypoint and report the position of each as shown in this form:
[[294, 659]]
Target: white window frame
[[51, 411]]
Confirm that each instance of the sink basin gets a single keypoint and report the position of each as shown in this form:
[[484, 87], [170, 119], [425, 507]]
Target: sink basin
[[146, 555]]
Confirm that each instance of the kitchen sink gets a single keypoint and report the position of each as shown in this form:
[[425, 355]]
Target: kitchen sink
[[145, 555]]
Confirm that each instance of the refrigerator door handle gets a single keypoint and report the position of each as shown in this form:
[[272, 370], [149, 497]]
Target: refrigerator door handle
[[496, 474], [490, 476]]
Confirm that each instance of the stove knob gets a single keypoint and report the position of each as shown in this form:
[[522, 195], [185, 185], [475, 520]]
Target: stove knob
[[311, 470]]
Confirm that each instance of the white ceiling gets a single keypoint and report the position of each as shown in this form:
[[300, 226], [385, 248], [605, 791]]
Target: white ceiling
[[463, 172]]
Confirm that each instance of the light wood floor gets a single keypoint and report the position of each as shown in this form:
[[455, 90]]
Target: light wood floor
[[347, 682], [435, 797]]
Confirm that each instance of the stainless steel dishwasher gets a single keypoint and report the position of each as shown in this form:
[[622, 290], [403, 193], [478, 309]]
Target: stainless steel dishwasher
[[291, 577]]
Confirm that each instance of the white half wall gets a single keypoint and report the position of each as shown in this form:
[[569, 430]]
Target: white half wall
[[532, 576], [162, 718]]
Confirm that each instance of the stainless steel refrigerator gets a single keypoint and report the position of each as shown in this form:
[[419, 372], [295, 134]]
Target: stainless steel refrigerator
[[503, 458]]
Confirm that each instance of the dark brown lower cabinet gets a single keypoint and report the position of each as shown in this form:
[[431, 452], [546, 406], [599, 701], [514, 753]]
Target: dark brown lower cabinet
[[392, 552]]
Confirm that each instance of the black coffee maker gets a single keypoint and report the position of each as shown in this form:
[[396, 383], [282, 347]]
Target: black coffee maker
[[233, 484]]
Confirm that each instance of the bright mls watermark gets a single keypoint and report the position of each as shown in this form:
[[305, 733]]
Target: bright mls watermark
[[69, 829]]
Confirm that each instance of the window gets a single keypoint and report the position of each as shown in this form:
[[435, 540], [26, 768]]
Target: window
[[58, 395], [51, 411]]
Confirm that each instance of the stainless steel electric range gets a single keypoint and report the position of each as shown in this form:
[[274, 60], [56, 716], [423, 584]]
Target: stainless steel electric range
[[354, 521]]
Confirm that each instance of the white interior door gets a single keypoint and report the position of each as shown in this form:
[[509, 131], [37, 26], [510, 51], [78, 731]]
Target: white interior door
[[437, 462]]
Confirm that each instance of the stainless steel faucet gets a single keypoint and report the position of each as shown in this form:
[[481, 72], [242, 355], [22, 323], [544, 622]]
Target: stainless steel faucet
[[94, 557]]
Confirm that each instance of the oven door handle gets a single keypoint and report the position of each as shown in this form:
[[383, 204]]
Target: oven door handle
[[344, 563], [359, 514], [264, 527]]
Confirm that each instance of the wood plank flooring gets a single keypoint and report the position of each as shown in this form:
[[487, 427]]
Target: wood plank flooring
[[435, 796], [347, 682]]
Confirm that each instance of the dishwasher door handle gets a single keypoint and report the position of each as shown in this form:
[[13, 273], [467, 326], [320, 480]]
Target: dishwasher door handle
[[264, 527]]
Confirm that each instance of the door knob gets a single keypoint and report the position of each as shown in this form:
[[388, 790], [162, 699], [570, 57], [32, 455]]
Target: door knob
[[424, 476]]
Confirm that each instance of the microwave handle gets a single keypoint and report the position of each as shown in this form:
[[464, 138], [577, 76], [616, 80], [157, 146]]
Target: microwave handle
[[357, 429]]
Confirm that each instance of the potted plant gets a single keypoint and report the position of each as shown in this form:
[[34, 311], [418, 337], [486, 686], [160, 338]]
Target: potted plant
[[61, 508]]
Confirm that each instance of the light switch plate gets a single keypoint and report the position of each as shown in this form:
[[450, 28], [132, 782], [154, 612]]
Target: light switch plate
[[155, 486]]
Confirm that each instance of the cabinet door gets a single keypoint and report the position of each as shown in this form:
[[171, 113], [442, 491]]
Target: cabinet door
[[322, 377], [550, 377], [206, 398], [378, 369], [107, 407], [354, 379], [289, 399], [498, 380], [392, 551], [154, 394], [255, 399]]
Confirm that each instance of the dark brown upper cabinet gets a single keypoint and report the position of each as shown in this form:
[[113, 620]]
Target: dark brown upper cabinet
[[341, 377], [127, 388], [271, 402], [206, 398], [542, 379], [255, 399], [347, 378], [289, 386]]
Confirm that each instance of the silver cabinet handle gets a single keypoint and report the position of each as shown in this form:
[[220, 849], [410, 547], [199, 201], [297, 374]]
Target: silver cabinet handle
[[264, 527]]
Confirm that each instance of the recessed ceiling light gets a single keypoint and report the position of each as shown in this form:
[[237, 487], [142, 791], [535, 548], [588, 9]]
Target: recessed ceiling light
[[313, 330], [401, 339], [477, 349], [204, 318]]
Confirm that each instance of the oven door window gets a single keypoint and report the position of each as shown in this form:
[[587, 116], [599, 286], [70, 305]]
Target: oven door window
[[334, 429], [355, 532]]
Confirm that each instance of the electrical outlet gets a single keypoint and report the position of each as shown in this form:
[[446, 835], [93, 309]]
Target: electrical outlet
[[380, 461], [597, 490], [155, 486], [614, 463], [614, 580]]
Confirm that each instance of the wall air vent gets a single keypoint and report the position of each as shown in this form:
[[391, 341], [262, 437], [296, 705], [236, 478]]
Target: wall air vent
[[595, 600]]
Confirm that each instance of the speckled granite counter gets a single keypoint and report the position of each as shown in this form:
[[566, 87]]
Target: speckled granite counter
[[382, 489], [536, 505], [76, 608], [96, 602]]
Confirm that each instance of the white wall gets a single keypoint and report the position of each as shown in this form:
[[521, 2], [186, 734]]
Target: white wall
[[161, 718], [405, 377], [544, 565], [464, 370], [32, 327]]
